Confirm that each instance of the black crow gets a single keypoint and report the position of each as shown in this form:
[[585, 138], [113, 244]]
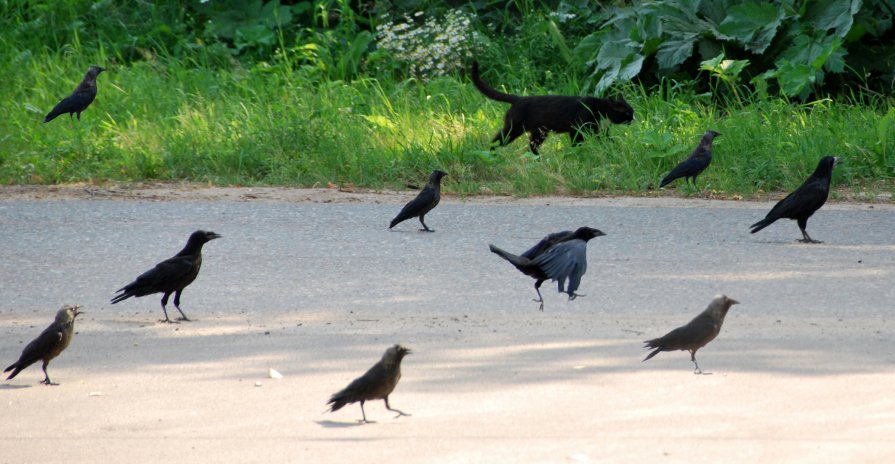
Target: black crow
[[80, 99], [427, 199], [804, 201], [558, 257], [696, 163], [171, 275]]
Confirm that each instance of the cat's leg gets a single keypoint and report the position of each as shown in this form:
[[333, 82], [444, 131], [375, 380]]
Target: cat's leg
[[535, 138], [509, 133]]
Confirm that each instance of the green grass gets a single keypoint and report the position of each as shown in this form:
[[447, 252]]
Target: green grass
[[168, 120]]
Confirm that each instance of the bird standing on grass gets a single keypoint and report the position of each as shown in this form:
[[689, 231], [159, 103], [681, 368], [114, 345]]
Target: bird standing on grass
[[696, 163], [427, 199], [804, 201], [49, 344], [696, 334], [558, 257], [376, 384], [80, 99], [171, 275]]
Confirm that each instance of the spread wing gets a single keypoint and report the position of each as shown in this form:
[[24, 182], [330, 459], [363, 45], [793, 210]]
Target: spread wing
[[566, 260], [546, 243]]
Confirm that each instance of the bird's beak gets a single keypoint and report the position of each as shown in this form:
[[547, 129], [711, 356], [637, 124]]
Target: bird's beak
[[836, 160], [77, 312], [732, 301], [213, 236], [408, 351]]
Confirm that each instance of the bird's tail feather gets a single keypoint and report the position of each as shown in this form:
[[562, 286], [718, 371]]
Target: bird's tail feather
[[666, 180], [653, 353], [513, 259], [337, 403], [121, 297], [761, 224], [14, 372]]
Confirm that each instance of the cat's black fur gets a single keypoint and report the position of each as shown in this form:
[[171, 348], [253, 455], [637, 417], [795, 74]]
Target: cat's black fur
[[538, 115]]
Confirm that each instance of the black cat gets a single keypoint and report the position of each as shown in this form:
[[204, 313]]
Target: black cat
[[539, 115]]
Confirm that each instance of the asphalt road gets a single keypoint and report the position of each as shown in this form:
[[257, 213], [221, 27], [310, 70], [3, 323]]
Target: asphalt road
[[318, 290], [336, 256]]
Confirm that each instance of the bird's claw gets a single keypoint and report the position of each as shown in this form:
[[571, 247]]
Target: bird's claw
[[808, 240], [364, 421], [49, 382], [575, 295], [168, 321], [427, 230], [184, 318], [401, 414]]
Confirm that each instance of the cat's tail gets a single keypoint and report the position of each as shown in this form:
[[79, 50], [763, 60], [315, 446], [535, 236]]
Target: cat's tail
[[489, 91]]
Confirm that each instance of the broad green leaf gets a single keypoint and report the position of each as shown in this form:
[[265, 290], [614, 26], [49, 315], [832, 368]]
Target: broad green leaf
[[754, 24], [837, 15], [794, 78], [675, 51], [631, 68]]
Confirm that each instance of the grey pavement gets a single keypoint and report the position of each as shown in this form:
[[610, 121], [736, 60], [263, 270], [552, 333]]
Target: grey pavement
[[656, 268]]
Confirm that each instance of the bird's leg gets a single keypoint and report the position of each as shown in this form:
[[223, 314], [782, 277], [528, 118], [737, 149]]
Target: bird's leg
[[364, 420], [46, 380], [165, 310], [177, 305], [400, 413], [540, 298], [425, 227], [807, 238], [693, 358]]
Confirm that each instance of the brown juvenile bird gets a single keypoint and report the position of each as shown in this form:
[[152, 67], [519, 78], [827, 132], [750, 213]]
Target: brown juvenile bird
[[376, 384], [49, 344], [696, 334], [171, 275], [427, 199], [80, 99]]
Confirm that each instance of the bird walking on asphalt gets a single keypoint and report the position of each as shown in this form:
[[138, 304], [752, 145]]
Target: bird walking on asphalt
[[427, 199], [171, 275], [691, 167], [80, 99], [49, 344], [696, 334], [558, 256], [376, 384], [804, 201]]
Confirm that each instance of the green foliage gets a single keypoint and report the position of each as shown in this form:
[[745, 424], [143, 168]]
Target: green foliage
[[790, 44]]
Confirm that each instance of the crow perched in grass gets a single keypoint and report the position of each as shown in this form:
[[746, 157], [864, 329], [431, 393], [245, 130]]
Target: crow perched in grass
[[427, 199], [804, 201], [696, 334], [80, 99], [558, 257], [171, 275], [376, 384], [696, 163], [49, 344]]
